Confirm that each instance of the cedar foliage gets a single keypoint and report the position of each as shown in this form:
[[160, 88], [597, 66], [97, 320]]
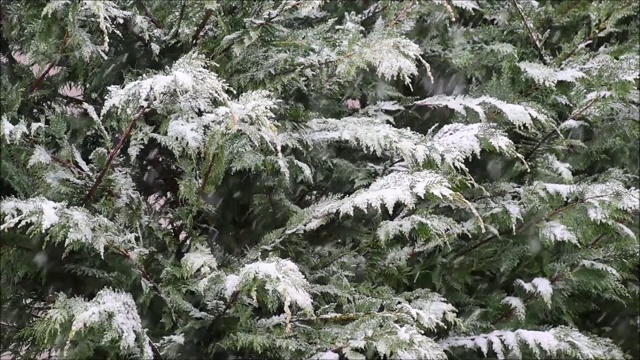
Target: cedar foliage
[[320, 179]]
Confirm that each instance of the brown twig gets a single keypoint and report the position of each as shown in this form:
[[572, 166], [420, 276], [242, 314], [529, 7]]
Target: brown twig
[[113, 154], [47, 70], [532, 35], [203, 23], [148, 14], [401, 14]]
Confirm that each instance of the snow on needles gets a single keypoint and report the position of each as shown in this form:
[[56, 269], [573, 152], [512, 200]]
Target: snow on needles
[[277, 275]]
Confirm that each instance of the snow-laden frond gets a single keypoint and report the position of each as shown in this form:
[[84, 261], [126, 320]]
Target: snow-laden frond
[[75, 223], [189, 84], [452, 144], [13, 133], [370, 134], [40, 156], [558, 167], [539, 286], [441, 228], [468, 5], [390, 54], [397, 187], [540, 344], [277, 276], [458, 142], [169, 345], [547, 76], [250, 114], [199, 258], [387, 191], [520, 115], [517, 306], [600, 198], [601, 267], [554, 231], [388, 335], [116, 314], [429, 310], [106, 13]]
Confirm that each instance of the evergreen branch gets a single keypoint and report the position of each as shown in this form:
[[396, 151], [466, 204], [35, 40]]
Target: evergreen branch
[[58, 160], [113, 154], [203, 23], [176, 30], [232, 301], [141, 6], [532, 35], [559, 276], [549, 135], [527, 225], [402, 14], [49, 67]]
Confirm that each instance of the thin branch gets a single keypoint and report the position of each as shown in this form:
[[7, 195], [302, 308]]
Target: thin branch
[[113, 154], [402, 14], [176, 30], [548, 136], [203, 23], [527, 225], [47, 70], [147, 13], [532, 35], [537, 146]]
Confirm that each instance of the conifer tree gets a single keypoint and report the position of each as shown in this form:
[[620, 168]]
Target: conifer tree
[[443, 179]]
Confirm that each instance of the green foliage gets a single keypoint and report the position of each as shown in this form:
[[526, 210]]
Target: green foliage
[[439, 179]]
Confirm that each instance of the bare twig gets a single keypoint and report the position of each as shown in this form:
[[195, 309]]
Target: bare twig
[[532, 35], [176, 30], [47, 70], [203, 23], [113, 154], [147, 13]]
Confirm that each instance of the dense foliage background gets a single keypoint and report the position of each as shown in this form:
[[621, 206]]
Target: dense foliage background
[[295, 179]]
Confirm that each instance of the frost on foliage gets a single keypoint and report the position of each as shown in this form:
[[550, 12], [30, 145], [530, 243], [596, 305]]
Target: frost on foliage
[[440, 228], [599, 198], [397, 187], [40, 156], [372, 135], [458, 142], [555, 231], [541, 344], [201, 259], [390, 334], [429, 310], [452, 144], [13, 133], [560, 168], [539, 286], [277, 276], [170, 345], [114, 314], [517, 306], [519, 115], [189, 84], [546, 76], [391, 55], [387, 191], [77, 224], [601, 267], [105, 13]]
